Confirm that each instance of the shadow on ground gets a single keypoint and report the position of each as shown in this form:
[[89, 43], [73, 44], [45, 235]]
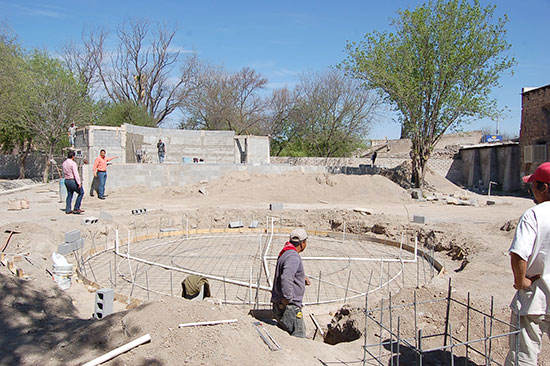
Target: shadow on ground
[[41, 326]]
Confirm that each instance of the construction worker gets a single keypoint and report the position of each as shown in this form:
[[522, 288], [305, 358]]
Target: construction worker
[[530, 261], [289, 285], [100, 172]]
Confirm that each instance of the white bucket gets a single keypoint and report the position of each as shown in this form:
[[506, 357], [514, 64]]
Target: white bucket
[[62, 276]]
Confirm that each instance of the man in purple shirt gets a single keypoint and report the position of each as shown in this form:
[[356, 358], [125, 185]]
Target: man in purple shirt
[[73, 184]]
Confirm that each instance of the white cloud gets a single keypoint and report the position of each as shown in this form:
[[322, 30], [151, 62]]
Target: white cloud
[[41, 10]]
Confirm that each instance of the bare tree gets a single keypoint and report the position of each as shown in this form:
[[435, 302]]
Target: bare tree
[[83, 60], [333, 114], [223, 101], [279, 123], [143, 69]]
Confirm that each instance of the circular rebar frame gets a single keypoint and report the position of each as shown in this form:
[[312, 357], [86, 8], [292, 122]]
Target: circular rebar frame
[[239, 265]]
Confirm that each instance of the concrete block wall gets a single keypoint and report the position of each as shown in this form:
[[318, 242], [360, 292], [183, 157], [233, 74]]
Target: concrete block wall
[[211, 146], [252, 150], [159, 175], [535, 119]]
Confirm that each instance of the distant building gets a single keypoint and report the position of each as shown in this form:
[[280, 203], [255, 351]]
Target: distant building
[[534, 136]]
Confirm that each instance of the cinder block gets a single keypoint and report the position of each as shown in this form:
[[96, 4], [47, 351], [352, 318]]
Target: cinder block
[[72, 236], [235, 224], [90, 220], [104, 299], [64, 248], [419, 219], [254, 224], [139, 211], [275, 206]]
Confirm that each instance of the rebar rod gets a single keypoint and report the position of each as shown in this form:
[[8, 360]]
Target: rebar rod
[[147, 284], [490, 330], [391, 329], [467, 329], [92, 270], [347, 287], [319, 288], [447, 313], [366, 320], [381, 322], [485, 338], [133, 280], [452, 345]]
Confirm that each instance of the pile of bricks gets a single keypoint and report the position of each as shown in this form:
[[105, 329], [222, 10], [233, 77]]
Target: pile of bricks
[[73, 241]]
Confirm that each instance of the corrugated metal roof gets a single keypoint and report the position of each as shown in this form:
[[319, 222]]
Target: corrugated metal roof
[[489, 144]]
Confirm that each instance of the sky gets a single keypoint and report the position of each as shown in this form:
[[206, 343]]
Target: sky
[[284, 39]]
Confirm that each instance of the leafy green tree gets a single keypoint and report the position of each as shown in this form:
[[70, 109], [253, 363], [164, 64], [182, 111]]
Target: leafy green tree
[[437, 69], [116, 114], [55, 100], [13, 82]]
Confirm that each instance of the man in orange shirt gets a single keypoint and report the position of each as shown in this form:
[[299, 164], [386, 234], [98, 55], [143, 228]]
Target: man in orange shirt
[[100, 171]]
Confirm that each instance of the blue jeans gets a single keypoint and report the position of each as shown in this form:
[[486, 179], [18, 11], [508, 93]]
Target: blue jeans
[[161, 158], [72, 187], [102, 179]]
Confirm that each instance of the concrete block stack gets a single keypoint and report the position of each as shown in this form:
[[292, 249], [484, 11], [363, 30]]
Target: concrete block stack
[[73, 241], [104, 299]]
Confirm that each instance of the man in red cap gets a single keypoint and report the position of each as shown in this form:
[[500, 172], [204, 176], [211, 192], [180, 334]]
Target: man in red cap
[[530, 260], [289, 285]]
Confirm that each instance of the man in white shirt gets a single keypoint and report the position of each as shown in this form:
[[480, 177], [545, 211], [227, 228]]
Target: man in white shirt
[[530, 261], [71, 132]]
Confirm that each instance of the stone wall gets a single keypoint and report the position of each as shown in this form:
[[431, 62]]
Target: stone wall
[[446, 167], [34, 166], [535, 127]]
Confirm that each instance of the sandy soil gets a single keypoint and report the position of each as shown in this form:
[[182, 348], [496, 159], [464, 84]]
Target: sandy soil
[[42, 324]]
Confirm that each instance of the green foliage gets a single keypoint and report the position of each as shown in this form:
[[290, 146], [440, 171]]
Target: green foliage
[[55, 100], [13, 83], [116, 114], [437, 69]]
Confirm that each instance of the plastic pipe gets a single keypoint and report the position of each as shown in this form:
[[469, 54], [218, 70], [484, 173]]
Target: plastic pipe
[[128, 346]]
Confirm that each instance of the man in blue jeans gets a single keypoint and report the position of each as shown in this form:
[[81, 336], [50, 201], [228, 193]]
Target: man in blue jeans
[[100, 171], [73, 184], [289, 285]]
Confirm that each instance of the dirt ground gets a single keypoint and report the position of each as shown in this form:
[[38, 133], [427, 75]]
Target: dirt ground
[[42, 324]]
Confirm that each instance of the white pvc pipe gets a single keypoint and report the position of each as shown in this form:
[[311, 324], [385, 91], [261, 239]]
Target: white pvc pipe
[[264, 256], [128, 346], [116, 241], [208, 323]]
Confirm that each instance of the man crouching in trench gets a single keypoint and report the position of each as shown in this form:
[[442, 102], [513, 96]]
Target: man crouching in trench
[[289, 285]]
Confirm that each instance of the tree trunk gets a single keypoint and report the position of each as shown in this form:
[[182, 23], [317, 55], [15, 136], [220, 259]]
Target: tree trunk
[[419, 156], [23, 158], [49, 156]]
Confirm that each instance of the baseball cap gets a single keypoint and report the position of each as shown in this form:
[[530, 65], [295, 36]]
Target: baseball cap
[[298, 234], [541, 174]]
